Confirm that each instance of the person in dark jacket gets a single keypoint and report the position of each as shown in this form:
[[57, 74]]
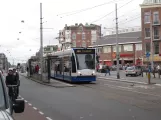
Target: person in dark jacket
[[10, 80], [16, 75], [107, 68]]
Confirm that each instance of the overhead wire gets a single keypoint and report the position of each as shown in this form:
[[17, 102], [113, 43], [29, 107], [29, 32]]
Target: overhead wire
[[112, 11], [131, 20], [138, 15], [125, 14], [85, 9]]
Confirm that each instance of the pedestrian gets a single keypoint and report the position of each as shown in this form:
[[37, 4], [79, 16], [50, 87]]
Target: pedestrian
[[16, 75], [107, 70]]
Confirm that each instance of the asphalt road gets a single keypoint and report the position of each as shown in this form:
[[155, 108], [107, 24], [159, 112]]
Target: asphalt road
[[132, 78], [101, 101]]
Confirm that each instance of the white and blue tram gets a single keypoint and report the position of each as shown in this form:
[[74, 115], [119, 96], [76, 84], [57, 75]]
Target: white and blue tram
[[74, 65]]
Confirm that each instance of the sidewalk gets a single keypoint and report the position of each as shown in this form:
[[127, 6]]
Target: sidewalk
[[138, 79], [53, 83]]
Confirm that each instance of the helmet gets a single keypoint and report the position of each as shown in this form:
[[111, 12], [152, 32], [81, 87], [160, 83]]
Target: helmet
[[10, 69]]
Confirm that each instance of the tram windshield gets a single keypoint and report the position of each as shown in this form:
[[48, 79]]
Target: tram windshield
[[85, 59]]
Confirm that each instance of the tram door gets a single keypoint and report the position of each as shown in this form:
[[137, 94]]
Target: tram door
[[53, 67], [67, 68]]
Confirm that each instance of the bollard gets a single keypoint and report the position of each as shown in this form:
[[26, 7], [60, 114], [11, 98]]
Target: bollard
[[149, 77], [154, 73], [142, 73]]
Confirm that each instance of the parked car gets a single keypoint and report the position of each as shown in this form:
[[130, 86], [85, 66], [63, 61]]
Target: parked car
[[6, 105], [133, 71]]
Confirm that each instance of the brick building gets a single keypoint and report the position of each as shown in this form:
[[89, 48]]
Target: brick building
[[151, 29], [4, 64], [79, 35], [130, 48]]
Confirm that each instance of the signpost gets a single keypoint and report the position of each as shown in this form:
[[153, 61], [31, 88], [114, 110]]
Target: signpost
[[149, 67]]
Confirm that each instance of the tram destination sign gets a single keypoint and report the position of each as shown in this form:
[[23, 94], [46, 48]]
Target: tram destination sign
[[84, 51]]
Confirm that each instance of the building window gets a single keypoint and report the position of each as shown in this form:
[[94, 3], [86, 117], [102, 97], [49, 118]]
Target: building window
[[114, 48], [80, 28], [147, 47], [147, 17], [74, 36], [128, 47], [156, 47], [83, 36], [138, 47], [99, 49], [147, 32], [83, 44], [67, 36], [74, 44], [156, 33], [156, 17], [106, 49]]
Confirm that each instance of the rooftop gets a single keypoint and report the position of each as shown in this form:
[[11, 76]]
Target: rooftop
[[152, 2], [123, 38]]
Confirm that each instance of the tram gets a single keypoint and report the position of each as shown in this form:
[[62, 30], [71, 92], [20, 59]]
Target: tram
[[74, 65]]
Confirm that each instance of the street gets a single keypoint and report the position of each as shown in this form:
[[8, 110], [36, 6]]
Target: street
[[98, 101], [141, 79]]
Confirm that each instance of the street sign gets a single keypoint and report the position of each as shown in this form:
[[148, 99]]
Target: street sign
[[147, 54]]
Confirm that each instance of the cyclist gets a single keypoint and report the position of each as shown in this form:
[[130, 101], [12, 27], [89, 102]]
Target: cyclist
[[16, 75], [10, 80]]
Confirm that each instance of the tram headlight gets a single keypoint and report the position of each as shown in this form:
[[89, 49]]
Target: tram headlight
[[79, 73], [93, 72]]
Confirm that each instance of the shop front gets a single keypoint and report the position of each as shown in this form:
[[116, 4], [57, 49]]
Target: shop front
[[127, 58], [156, 60]]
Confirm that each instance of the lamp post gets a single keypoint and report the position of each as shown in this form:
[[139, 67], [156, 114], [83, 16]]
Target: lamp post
[[41, 42], [117, 47]]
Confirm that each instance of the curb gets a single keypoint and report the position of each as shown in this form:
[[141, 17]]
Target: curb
[[121, 80], [45, 83]]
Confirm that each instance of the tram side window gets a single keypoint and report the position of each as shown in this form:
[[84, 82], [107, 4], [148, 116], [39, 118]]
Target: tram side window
[[73, 64]]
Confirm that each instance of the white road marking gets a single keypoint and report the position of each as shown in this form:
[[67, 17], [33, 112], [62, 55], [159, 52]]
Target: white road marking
[[135, 91], [81, 117], [34, 108], [158, 84], [41, 113], [144, 87], [122, 80], [118, 86], [29, 104], [48, 118]]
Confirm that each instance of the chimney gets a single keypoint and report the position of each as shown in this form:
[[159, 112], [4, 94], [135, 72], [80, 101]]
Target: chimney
[[65, 26], [76, 24]]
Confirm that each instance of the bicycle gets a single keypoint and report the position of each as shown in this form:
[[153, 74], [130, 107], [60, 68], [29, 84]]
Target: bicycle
[[13, 95]]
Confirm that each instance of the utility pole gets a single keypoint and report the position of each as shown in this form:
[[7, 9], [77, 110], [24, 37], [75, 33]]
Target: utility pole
[[41, 42], [151, 42], [117, 47]]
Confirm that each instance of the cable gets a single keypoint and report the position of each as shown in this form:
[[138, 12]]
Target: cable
[[85, 9], [112, 11], [124, 14], [131, 20]]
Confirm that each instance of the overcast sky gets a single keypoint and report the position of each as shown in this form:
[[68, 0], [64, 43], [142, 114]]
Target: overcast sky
[[12, 12]]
